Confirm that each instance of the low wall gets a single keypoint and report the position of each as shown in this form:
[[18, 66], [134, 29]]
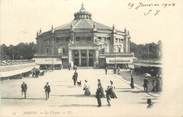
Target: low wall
[[12, 70]]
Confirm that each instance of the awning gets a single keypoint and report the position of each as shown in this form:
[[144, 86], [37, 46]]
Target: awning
[[48, 61], [119, 60], [16, 72]]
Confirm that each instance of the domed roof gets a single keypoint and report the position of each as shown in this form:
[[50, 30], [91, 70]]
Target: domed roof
[[83, 24], [82, 20], [82, 14]]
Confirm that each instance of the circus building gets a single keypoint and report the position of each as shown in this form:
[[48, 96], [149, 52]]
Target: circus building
[[83, 42]]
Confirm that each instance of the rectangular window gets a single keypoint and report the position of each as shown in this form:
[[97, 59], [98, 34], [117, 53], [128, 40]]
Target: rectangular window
[[75, 53], [77, 38], [83, 53], [89, 38]]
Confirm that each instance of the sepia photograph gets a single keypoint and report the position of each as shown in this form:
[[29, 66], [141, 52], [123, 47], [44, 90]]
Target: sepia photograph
[[89, 58]]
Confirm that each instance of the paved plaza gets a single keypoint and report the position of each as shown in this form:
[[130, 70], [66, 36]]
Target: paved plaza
[[67, 99]]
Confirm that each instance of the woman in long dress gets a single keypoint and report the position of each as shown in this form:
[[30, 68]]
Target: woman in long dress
[[86, 89], [113, 94]]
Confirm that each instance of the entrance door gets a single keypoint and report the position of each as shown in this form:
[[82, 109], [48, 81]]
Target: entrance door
[[91, 57], [83, 62], [76, 57], [83, 58], [76, 61], [91, 62]]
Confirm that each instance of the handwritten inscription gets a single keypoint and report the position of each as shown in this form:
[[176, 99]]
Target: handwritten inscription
[[149, 7], [42, 113]]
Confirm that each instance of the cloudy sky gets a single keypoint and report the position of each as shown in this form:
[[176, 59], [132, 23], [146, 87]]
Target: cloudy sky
[[21, 19]]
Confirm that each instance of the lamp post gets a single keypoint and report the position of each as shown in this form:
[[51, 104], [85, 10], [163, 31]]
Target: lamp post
[[114, 70], [132, 82]]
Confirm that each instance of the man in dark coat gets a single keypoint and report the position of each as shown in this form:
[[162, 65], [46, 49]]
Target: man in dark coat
[[75, 77], [69, 66], [145, 85], [24, 89], [100, 88], [132, 83], [108, 93], [106, 70], [149, 103], [98, 96], [47, 90]]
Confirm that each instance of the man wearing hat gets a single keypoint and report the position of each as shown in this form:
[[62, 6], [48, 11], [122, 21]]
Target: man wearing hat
[[47, 90]]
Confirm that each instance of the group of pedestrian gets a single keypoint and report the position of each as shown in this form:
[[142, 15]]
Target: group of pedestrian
[[115, 69], [24, 88], [155, 85], [35, 72], [109, 93]]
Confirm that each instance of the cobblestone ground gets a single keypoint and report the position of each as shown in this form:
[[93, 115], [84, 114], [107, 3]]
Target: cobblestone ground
[[67, 99]]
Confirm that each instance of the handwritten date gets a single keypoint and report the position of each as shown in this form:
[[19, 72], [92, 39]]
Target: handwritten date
[[148, 8]]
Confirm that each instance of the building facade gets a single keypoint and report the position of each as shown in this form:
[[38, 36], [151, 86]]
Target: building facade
[[83, 42]]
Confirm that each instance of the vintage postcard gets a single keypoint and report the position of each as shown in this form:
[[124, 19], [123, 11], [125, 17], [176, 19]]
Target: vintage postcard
[[91, 58]]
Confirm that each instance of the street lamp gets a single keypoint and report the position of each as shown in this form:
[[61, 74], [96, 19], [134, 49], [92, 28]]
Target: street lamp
[[132, 82]]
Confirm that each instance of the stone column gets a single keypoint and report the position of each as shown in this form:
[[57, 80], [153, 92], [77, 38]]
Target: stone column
[[96, 57], [70, 57], [79, 57], [87, 55]]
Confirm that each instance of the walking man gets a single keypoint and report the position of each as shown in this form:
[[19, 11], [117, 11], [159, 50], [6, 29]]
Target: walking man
[[98, 96], [132, 82], [149, 103], [69, 66], [108, 93], [75, 77], [24, 89], [106, 70], [100, 88], [47, 90], [145, 85], [118, 70]]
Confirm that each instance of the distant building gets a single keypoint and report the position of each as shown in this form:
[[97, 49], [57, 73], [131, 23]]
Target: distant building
[[84, 42]]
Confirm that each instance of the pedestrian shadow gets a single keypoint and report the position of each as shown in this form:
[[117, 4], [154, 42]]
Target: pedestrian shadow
[[140, 91], [71, 86], [78, 105], [122, 88], [68, 86], [74, 95], [131, 91], [154, 98], [59, 85], [125, 91], [142, 102], [11, 98]]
